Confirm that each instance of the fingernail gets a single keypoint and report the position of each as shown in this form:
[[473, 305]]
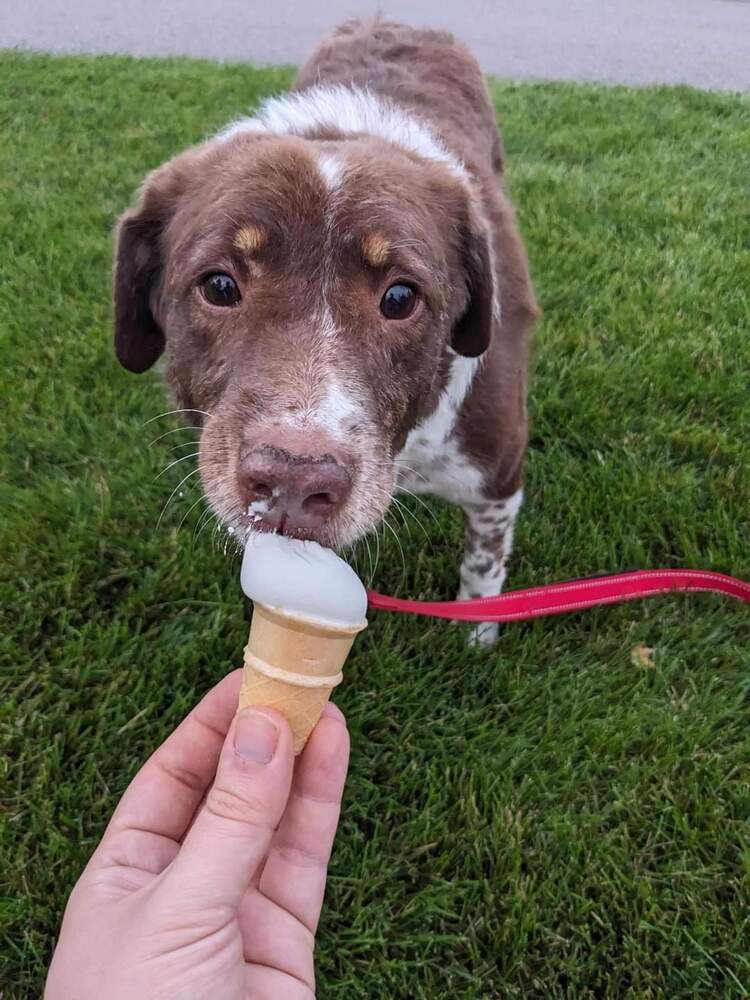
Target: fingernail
[[255, 736]]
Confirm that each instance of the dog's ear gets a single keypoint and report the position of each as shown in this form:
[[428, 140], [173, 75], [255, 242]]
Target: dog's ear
[[473, 329], [139, 339]]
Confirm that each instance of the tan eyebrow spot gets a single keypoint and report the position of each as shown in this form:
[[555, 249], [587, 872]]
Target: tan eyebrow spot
[[249, 239], [375, 247]]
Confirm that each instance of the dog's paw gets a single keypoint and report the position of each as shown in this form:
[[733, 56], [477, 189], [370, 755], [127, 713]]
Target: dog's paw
[[484, 634]]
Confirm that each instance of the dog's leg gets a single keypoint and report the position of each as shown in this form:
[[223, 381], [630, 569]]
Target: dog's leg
[[489, 539]]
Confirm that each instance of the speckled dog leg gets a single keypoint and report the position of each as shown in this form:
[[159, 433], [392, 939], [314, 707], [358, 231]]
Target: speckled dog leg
[[489, 539]]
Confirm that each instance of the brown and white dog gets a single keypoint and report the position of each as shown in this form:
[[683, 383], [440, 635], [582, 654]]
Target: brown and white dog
[[344, 299]]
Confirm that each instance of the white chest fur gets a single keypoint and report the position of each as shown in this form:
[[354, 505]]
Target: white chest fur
[[431, 460]]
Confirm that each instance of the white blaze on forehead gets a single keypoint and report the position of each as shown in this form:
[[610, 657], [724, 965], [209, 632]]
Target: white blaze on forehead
[[325, 401], [351, 111], [331, 169], [326, 324]]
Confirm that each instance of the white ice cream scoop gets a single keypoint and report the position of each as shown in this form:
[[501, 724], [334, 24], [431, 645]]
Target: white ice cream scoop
[[302, 579], [308, 607]]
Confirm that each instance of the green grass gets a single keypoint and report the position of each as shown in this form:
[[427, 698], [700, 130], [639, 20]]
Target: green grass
[[546, 820]]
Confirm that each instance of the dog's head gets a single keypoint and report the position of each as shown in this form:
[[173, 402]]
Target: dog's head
[[311, 297]]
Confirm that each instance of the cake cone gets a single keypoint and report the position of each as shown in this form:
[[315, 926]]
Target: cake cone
[[292, 664]]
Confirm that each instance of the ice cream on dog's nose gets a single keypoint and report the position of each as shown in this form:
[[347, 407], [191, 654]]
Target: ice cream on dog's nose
[[308, 607]]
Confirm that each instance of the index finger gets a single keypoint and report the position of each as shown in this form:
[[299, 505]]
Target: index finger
[[167, 790]]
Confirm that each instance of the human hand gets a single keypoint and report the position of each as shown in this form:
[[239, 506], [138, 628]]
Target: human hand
[[209, 879]]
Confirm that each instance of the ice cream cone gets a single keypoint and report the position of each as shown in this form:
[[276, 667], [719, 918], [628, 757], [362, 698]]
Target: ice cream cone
[[292, 664]]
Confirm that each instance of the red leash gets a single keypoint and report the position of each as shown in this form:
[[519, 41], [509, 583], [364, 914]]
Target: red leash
[[573, 595]]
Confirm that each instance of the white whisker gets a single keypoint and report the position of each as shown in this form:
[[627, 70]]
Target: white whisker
[[187, 513], [175, 430], [377, 554], [426, 506], [170, 413], [217, 527], [406, 510], [402, 465], [369, 558], [203, 521], [182, 444], [172, 495], [402, 510], [177, 462], [387, 524]]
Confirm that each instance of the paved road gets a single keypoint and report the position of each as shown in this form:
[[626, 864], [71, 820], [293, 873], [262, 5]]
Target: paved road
[[702, 42]]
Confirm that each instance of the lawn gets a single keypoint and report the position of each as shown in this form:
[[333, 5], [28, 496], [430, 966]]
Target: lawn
[[556, 818]]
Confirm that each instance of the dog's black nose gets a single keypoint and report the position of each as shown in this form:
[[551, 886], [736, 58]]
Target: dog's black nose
[[294, 494]]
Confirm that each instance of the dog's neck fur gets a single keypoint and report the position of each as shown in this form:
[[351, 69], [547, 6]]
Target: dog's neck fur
[[431, 460]]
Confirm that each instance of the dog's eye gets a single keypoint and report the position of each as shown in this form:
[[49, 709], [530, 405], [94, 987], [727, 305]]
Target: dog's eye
[[398, 302], [220, 290]]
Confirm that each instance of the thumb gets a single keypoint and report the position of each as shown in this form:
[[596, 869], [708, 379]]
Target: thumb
[[231, 835]]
